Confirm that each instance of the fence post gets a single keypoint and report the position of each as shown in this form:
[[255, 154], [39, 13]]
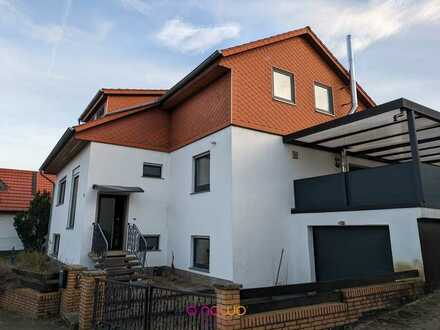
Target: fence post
[[87, 297], [71, 292], [228, 300]]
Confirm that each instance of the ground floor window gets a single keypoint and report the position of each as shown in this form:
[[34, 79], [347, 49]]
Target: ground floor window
[[152, 242], [201, 252], [56, 245]]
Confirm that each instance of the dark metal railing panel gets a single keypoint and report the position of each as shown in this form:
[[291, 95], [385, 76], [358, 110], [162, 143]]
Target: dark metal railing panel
[[389, 186], [136, 243], [328, 191], [99, 242], [133, 306], [431, 184], [382, 186]]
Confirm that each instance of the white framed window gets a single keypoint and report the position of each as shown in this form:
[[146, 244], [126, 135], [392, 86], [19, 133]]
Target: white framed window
[[323, 98], [283, 86]]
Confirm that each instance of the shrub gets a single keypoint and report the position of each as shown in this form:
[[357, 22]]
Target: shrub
[[35, 261], [32, 225]]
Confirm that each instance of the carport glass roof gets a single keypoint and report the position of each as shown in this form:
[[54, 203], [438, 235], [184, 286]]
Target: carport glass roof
[[382, 133]]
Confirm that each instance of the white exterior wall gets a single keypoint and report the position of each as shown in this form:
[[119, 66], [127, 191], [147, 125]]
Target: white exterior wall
[[71, 240], [8, 235], [122, 166], [404, 235], [263, 171], [202, 214]]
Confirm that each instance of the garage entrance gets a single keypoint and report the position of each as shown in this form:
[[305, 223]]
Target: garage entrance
[[429, 232], [343, 252]]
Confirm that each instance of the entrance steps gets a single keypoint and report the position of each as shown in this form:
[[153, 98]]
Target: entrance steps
[[119, 265]]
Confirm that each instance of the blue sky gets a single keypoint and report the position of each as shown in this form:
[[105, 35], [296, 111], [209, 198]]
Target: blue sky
[[55, 54]]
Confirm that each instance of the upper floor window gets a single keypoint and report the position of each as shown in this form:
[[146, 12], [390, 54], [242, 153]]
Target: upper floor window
[[61, 191], [73, 198], [283, 86], [152, 170], [201, 172], [323, 98]]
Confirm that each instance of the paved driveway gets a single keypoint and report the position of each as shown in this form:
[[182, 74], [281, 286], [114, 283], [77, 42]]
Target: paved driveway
[[421, 314]]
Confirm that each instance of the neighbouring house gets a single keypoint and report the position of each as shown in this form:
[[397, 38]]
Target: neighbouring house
[[17, 188], [251, 154]]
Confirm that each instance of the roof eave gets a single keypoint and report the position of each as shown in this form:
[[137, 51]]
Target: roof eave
[[202, 66], [68, 134]]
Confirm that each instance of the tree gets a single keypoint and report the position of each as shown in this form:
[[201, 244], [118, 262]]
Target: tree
[[32, 225]]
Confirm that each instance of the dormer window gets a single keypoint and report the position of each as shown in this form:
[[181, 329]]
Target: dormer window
[[324, 99], [283, 86]]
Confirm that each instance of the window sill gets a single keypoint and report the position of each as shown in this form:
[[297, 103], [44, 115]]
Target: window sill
[[152, 177], [200, 192], [325, 113], [283, 101], [202, 270], [70, 228], [59, 204]]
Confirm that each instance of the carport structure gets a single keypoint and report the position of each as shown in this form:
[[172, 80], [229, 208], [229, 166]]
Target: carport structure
[[394, 132], [401, 134]]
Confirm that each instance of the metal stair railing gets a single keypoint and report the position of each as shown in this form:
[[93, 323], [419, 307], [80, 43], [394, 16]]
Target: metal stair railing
[[137, 244], [99, 242]]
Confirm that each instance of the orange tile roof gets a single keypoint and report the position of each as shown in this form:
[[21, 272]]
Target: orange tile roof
[[19, 188]]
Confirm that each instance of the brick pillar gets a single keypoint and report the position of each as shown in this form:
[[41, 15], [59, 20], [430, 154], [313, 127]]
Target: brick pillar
[[228, 299], [87, 287], [71, 293]]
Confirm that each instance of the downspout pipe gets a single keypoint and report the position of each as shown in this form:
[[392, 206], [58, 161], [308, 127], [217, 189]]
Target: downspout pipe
[[353, 88]]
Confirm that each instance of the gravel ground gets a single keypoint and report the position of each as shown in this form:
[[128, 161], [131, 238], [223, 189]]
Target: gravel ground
[[421, 314], [12, 321]]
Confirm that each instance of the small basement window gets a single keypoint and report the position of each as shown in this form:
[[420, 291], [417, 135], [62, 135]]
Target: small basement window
[[323, 98], [61, 191], [283, 86], [56, 245], [152, 243], [202, 172], [151, 170], [201, 252]]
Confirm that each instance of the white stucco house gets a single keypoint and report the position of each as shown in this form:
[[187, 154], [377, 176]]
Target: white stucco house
[[251, 169]]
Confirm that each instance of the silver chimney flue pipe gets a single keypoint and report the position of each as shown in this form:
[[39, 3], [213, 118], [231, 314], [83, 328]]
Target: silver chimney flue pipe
[[354, 99]]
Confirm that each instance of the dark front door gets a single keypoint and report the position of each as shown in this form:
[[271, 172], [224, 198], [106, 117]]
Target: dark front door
[[343, 252], [111, 218], [429, 231]]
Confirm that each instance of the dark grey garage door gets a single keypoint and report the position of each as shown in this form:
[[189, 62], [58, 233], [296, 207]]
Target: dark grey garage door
[[429, 231], [343, 252]]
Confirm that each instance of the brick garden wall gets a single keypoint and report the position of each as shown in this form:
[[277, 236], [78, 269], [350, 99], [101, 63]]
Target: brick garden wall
[[31, 302], [355, 303]]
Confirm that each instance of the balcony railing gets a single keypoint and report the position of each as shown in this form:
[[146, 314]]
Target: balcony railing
[[409, 184]]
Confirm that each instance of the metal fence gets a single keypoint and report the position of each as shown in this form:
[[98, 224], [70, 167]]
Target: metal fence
[[130, 306]]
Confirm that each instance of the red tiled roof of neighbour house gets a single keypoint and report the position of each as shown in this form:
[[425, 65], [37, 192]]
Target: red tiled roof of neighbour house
[[20, 186]]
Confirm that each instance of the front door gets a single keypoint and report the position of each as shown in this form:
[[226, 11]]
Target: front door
[[111, 218]]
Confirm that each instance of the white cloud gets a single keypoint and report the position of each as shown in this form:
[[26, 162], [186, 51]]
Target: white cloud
[[186, 37]]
